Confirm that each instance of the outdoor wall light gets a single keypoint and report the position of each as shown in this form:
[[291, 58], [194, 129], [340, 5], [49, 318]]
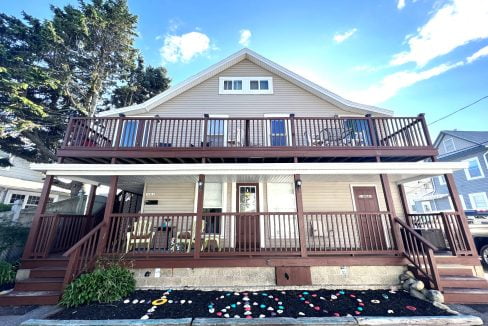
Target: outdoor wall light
[[200, 184], [298, 183]]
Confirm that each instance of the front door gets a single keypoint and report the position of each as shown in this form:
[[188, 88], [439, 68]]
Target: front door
[[247, 224], [371, 232]]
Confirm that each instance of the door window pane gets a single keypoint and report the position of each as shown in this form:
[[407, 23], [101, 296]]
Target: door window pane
[[247, 199], [278, 133]]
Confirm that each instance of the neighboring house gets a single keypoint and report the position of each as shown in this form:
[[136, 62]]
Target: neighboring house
[[248, 175], [472, 182], [19, 182]]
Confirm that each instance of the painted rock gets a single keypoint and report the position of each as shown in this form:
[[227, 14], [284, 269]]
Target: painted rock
[[361, 304], [135, 301], [360, 308], [264, 294], [238, 303], [182, 301], [262, 306], [226, 315], [276, 299], [236, 293], [336, 314], [270, 296], [390, 311], [219, 313], [248, 317], [311, 305], [385, 296], [279, 311], [342, 292], [262, 316], [233, 305], [190, 302], [126, 301], [245, 294], [302, 299], [359, 300], [307, 302], [221, 297], [301, 314], [210, 306], [211, 310], [247, 313], [314, 295], [270, 309], [142, 301], [283, 292], [224, 310], [317, 308], [166, 293], [254, 293], [227, 307], [237, 316], [279, 302], [333, 297], [145, 317], [305, 292], [170, 301], [357, 312], [322, 298], [159, 302], [254, 304], [411, 308], [281, 307], [245, 299], [247, 309], [352, 295], [375, 301]]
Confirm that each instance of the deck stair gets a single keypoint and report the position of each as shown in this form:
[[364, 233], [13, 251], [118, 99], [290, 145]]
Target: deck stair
[[43, 286], [460, 283]]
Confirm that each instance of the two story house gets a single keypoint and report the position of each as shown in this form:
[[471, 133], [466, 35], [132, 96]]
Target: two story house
[[248, 175]]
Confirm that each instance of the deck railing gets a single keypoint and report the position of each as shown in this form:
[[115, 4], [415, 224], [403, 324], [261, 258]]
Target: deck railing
[[169, 133], [57, 233], [447, 226], [420, 252], [262, 233]]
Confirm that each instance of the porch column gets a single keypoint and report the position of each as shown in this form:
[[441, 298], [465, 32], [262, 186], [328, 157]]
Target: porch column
[[385, 183], [90, 201], [458, 208], [198, 226], [41, 207], [109, 206], [300, 217]]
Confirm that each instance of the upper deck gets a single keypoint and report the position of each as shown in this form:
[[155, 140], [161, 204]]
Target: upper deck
[[260, 139]]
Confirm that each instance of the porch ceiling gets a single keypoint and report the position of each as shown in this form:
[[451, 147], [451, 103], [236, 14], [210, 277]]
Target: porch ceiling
[[135, 175]]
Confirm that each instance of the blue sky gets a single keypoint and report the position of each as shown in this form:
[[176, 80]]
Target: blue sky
[[410, 56]]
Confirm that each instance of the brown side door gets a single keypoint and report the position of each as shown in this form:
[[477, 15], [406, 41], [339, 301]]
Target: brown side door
[[371, 232], [247, 224]]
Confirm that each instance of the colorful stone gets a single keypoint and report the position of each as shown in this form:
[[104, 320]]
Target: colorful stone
[[411, 308]]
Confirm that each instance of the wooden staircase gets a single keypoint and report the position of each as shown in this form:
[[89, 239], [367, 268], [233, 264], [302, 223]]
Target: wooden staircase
[[459, 282], [43, 286]]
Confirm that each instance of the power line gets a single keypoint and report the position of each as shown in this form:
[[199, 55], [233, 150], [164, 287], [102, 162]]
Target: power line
[[463, 108]]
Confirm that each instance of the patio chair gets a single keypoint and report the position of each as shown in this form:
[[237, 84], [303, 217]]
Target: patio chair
[[187, 238], [142, 233]]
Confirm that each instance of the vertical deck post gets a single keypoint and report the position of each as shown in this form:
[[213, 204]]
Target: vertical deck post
[[372, 130], [425, 129], [458, 208], [385, 183], [198, 224], [293, 133], [300, 217], [41, 207], [109, 206]]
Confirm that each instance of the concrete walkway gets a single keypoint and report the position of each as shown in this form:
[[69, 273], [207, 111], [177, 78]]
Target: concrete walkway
[[36, 313]]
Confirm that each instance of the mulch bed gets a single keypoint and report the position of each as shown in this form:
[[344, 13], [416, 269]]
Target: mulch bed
[[259, 304], [6, 286]]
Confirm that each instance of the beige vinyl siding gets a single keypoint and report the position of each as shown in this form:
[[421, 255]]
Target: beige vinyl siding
[[286, 98], [175, 197]]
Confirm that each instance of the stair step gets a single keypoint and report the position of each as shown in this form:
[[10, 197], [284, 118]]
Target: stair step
[[456, 271], [465, 295], [44, 262], [40, 284], [42, 272], [23, 298], [463, 281]]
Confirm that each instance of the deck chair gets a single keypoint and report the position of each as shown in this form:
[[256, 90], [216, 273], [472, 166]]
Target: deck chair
[[187, 238], [142, 233]]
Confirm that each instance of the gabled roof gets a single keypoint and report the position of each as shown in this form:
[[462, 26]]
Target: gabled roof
[[260, 61], [476, 137]]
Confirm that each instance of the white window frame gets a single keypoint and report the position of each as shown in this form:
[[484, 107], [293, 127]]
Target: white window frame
[[463, 203], [246, 85], [466, 171], [278, 116], [27, 194], [441, 179], [473, 203], [444, 144]]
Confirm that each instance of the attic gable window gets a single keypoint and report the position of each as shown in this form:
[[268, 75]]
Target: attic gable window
[[246, 85], [448, 145]]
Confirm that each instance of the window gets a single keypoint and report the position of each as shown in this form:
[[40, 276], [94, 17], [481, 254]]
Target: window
[[281, 198], [216, 131], [448, 145], [441, 179], [426, 208], [16, 197], [212, 203], [278, 134], [246, 85], [474, 170], [32, 201], [479, 201]]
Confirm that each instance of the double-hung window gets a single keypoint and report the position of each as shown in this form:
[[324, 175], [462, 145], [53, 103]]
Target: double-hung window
[[479, 201], [474, 170]]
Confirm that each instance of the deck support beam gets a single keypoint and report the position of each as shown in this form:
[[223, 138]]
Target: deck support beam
[[198, 226], [41, 207], [390, 207], [300, 217], [109, 206]]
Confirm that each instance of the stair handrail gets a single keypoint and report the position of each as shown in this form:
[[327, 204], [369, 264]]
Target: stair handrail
[[420, 253], [82, 255]]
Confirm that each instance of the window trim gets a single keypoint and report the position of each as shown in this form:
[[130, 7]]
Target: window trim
[[463, 203], [473, 206], [444, 145], [485, 156], [246, 85], [27, 194], [466, 170]]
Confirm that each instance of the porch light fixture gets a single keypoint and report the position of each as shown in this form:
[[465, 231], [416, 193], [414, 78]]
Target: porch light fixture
[[200, 184], [298, 183]]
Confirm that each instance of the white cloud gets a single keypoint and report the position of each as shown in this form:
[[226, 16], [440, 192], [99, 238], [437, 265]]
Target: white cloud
[[450, 27], [339, 38], [365, 68], [245, 37], [400, 4], [478, 54], [393, 83], [184, 47]]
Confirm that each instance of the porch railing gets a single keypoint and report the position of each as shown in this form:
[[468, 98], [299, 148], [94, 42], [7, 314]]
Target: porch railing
[[57, 233], [420, 252], [169, 133], [446, 230], [262, 233]]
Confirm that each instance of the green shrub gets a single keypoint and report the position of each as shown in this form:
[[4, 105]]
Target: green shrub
[[5, 207], [12, 234], [104, 284], [7, 273]]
